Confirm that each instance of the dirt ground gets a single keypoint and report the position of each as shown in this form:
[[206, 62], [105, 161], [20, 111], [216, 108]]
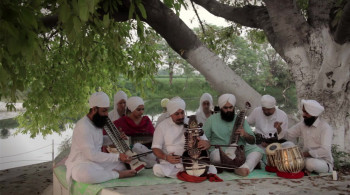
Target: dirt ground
[[37, 179]]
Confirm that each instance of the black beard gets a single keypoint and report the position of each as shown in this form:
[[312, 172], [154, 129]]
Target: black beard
[[309, 121], [267, 114], [99, 121], [227, 116]]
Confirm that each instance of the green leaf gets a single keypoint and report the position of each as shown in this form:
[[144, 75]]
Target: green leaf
[[131, 10], [83, 10], [64, 13], [106, 20], [142, 10]]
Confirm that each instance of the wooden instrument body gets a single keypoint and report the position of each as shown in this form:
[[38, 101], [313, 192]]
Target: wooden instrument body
[[195, 161], [289, 160], [122, 147]]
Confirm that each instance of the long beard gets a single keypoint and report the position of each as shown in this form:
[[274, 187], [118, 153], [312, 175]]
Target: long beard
[[309, 121], [227, 116], [99, 121]]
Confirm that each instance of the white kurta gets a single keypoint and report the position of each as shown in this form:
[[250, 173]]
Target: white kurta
[[170, 138], [85, 155], [162, 117], [317, 139], [113, 115], [265, 124]]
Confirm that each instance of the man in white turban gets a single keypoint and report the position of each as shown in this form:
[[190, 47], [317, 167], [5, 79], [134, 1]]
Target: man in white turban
[[205, 109], [317, 138], [268, 119], [218, 128], [169, 141], [86, 163], [119, 106]]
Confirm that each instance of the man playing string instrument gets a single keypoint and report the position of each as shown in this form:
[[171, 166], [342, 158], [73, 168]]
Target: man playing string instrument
[[267, 119], [218, 129], [317, 138], [169, 141], [86, 163]]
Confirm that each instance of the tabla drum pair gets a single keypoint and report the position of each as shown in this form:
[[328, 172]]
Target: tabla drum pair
[[289, 160]]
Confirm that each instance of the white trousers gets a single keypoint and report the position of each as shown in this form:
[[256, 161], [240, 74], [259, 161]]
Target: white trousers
[[149, 159], [250, 163], [317, 165], [91, 172]]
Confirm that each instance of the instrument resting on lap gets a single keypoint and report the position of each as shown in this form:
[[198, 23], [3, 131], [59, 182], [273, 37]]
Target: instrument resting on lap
[[234, 156], [195, 161], [115, 135]]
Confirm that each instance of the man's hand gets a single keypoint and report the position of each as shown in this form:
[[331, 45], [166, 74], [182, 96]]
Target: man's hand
[[124, 158], [241, 132], [203, 144], [122, 134], [277, 125], [173, 159], [264, 144]]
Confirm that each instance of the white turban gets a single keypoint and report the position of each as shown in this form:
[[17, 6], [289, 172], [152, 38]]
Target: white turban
[[120, 95], [312, 107], [133, 102], [206, 97], [164, 102], [99, 99], [175, 104], [223, 99], [267, 101]]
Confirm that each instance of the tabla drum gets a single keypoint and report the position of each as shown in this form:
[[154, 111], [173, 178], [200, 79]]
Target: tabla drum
[[289, 160], [271, 153]]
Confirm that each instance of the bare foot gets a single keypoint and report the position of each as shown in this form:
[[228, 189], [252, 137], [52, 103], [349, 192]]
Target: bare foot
[[242, 171], [126, 173], [306, 172]]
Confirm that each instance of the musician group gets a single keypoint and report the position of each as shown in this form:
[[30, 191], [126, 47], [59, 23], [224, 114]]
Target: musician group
[[226, 142]]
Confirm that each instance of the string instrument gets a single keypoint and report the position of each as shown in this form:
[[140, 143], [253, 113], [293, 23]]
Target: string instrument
[[234, 156], [115, 135], [195, 161], [259, 138]]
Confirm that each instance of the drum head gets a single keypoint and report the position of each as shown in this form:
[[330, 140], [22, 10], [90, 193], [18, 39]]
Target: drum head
[[272, 148]]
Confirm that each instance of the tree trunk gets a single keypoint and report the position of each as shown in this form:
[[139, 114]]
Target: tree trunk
[[321, 72]]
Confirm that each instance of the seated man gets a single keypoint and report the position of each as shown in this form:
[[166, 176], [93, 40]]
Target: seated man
[[139, 128], [86, 163], [119, 108], [317, 138], [267, 119], [218, 128], [169, 141], [205, 109]]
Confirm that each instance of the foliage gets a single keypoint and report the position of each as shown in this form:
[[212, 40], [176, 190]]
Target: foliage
[[341, 158], [255, 61], [59, 68]]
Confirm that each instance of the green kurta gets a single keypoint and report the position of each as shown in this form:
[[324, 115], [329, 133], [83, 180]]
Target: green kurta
[[219, 132]]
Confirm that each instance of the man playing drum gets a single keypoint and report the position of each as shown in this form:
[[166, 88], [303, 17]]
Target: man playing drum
[[317, 138], [267, 119]]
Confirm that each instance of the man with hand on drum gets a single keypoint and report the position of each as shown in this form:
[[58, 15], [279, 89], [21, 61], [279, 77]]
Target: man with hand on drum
[[86, 163], [317, 138], [169, 141], [218, 128], [267, 119]]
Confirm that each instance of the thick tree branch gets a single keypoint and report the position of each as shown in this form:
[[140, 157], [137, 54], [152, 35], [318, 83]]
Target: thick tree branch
[[342, 33], [288, 24], [318, 13], [246, 16]]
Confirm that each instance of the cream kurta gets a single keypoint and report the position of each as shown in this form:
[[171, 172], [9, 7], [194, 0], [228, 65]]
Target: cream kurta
[[317, 139], [265, 124], [86, 146]]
